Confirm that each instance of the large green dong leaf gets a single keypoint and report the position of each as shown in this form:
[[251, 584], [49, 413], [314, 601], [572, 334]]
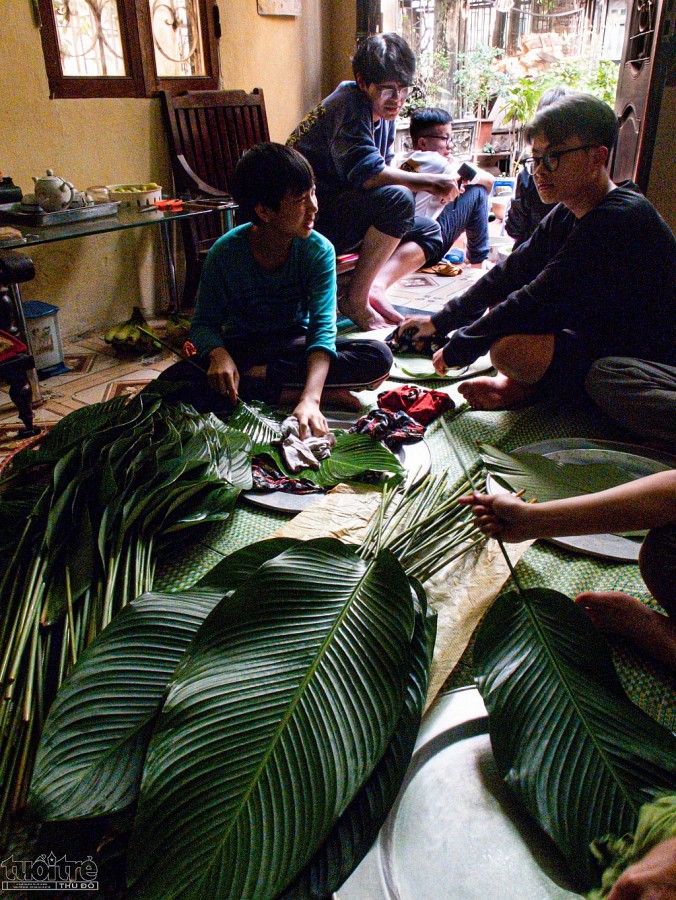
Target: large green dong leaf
[[256, 421], [280, 711], [565, 737], [353, 456], [547, 479], [356, 830], [95, 738]]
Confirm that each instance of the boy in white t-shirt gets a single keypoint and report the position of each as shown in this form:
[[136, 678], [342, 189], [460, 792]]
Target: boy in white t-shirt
[[432, 138]]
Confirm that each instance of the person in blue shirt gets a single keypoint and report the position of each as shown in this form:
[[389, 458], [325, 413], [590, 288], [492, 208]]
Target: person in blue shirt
[[365, 202], [265, 321]]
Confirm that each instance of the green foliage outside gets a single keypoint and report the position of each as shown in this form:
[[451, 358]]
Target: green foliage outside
[[430, 87], [478, 81], [593, 76], [479, 84]]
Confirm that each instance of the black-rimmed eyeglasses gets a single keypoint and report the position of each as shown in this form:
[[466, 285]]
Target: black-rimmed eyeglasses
[[551, 160], [446, 138], [392, 93]]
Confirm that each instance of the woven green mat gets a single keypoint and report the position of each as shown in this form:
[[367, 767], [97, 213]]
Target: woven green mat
[[650, 687], [245, 526]]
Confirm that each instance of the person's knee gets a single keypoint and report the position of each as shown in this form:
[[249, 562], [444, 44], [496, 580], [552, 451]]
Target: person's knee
[[395, 199], [380, 359], [602, 378], [505, 351], [523, 357], [478, 196]]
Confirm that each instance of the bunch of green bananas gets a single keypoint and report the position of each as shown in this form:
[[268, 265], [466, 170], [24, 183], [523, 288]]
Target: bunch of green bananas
[[129, 336]]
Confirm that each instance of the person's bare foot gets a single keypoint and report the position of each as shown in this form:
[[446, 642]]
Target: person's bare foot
[[365, 318], [381, 305], [340, 398], [620, 615], [498, 392], [374, 320]]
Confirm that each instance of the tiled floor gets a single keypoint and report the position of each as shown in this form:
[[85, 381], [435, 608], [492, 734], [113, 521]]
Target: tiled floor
[[97, 372]]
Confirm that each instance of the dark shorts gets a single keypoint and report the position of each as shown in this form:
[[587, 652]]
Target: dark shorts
[[345, 217], [357, 365], [657, 561], [569, 367]]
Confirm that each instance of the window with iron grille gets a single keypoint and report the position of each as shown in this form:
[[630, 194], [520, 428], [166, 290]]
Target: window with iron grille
[[128, 48]]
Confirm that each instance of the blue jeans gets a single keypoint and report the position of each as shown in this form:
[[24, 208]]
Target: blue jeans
[[468, 213]]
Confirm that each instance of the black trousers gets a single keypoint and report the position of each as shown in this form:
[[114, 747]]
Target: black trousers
[[345, 217], [357, 365]]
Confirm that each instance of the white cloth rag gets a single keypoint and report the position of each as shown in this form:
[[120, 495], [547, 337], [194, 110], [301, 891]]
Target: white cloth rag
[[299, 455]]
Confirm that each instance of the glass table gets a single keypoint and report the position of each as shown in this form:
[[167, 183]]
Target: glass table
[[32, 235]]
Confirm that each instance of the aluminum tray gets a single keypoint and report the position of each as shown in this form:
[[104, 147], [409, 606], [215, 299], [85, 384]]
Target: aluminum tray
[[455, 832], [636, 460], [19, 215]]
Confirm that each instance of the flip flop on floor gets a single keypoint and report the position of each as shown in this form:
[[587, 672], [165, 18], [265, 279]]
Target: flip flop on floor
[[446, 269]]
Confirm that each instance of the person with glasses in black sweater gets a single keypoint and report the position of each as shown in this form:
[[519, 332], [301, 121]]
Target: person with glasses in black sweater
[[527, 210], [595, 279], [366, 203]]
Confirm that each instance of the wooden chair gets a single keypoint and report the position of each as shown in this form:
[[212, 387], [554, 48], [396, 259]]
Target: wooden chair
[[208, 131]]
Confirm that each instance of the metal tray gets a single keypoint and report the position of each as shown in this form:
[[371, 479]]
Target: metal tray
[[636, 460], [455, 831], [415, 458], [19, 215]]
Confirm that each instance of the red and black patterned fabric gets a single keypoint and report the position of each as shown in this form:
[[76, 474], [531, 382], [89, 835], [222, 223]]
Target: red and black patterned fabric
[[421, 404], [267, 477], [393, 429]]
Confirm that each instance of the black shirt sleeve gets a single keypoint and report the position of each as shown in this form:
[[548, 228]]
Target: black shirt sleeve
[[607, 276]]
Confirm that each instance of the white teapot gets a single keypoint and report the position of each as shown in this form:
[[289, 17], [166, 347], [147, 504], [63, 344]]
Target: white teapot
[[53, 193]]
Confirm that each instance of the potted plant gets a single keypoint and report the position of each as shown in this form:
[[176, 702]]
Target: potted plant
[[520, 104], [479, 84]]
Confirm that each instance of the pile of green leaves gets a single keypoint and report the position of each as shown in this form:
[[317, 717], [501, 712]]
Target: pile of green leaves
[[567, 740], [82, 519], [264, 720]]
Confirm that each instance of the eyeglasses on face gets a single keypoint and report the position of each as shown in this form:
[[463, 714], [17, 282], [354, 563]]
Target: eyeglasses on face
[[446, 138], [387, 92], [551, 160]]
